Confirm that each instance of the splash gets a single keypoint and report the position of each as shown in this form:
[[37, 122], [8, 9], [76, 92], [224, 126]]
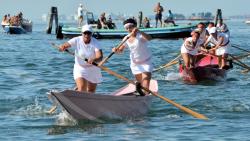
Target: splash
[[172, 76], [64, 119], [34, 109]]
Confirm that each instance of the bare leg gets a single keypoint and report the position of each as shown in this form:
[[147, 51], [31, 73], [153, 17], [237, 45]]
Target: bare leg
[[186, 59], [144, 79], [81, 84], [138, 77], [161, 22], [223, 60], [146, 76], [91, 87], [192, 60]]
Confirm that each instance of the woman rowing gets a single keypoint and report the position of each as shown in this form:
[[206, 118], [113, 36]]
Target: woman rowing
[[190, 48], [203, 31], [140, 54], [86, 75], [222, 44]]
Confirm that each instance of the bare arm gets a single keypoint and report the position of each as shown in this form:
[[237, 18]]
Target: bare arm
[[64, 46], [144, 35], [98, 56], [221, 39], [118, 50]]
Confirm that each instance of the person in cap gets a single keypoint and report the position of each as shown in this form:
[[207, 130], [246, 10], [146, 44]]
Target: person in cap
[[140, 54], [190, 48], [86, 75], [222, 45], [80, 14]]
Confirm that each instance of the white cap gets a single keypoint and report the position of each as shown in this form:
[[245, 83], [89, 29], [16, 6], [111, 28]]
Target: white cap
[[212, 30], [87, 27], [80, 4], [198, 30]]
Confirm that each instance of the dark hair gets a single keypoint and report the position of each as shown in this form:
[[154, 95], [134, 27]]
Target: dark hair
[[212, 23], [201, 23], [130, 21]]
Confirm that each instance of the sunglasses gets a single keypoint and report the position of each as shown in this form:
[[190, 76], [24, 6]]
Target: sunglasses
[[87, 33]]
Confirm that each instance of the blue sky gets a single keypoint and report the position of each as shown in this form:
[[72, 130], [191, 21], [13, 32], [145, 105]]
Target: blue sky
[[33, 9]]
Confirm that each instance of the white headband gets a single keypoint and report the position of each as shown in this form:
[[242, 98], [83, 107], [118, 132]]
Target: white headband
[[127, 25]]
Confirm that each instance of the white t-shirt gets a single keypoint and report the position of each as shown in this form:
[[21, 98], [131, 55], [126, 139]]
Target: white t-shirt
[[191, 49], [84, 50], [139, 51], [81, 68], [215, 41], [224, 48], [80, 11]]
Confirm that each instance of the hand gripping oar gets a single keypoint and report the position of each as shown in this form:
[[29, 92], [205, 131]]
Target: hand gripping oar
[[172, 62], [236, 46], [189, 111], [106, 59]]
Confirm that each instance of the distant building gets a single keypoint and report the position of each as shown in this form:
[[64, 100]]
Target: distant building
[[201, 16]]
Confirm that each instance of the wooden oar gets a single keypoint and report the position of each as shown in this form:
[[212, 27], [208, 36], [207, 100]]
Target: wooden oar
[[189, 111], [242, 56], [242, 64], [172, 62], [106, 59], [236, 46]]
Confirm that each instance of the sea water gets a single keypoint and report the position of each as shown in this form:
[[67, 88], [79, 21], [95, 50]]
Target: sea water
[[30, 67]]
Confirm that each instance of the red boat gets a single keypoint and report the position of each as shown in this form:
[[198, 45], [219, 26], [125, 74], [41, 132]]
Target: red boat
[[206, 68]]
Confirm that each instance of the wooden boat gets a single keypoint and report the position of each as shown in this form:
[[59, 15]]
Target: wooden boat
[[179, 31], [25, 27], [205, 69], [123, 103]]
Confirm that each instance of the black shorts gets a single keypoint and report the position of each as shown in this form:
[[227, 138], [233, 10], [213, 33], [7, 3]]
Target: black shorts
[[158, 16]]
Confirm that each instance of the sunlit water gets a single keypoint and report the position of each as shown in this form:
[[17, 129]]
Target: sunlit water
[[30, 68]]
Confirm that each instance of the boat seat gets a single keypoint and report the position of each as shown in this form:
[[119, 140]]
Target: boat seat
[[131, 88]]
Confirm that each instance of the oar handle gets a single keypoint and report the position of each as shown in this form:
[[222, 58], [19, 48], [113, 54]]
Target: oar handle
[[106, 59], [112, 53], [172, 62]]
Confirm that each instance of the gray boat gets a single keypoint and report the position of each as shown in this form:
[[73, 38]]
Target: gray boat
[[122, 104]]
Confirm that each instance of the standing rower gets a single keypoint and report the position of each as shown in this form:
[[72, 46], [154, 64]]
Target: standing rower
[[222, 45], [86, 75], [140, 55]]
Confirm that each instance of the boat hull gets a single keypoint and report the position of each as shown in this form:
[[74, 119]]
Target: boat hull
[[82, 106], [23, 29], [206, 69], [14, 30], [164, 32], [195, 75]]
